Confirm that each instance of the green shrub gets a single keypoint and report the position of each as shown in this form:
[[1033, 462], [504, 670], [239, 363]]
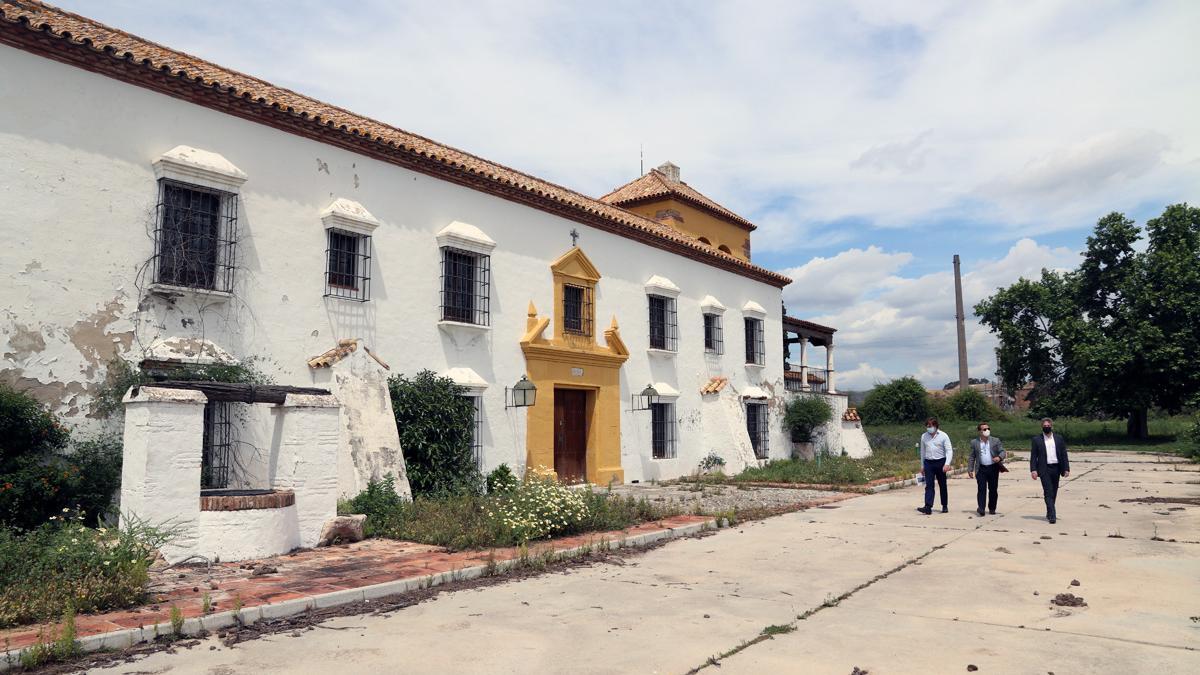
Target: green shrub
[[539, 508], [970, 405], [502, 479], [380, 503], [804, 414], [435, 422], [898, 401], [39, 476], [64, 565], [712, 462]]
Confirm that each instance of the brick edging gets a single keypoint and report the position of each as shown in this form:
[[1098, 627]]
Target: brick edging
[[128, 637]]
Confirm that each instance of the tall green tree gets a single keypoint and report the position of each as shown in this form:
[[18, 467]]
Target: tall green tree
[[1117, 336]]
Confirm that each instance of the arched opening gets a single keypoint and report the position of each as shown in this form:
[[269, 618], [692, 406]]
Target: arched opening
[[724, 249], [705, 241]]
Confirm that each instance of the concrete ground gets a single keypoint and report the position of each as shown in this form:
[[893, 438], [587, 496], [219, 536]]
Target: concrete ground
[[884, 590]]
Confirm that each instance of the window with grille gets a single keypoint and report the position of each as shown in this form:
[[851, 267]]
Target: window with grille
[[348, 274], [755, 347], [194, 237], [714, 341], [216, 456], [756, 425], [662, 430], [577, 309], [477, 432], [466, 286], [663, 328]]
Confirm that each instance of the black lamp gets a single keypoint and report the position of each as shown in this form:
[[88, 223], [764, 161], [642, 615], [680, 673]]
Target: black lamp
[[644, 400], [521, 395]]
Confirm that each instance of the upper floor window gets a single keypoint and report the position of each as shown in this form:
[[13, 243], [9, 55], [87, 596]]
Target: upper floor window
[[195, 236], [662, 430], [755, 344], [348, 271], [466, 286], [663, 324], [577, 309], [348, 228], [714, 340], [195, 230]]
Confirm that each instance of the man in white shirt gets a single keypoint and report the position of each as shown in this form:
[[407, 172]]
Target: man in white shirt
[[1048, 461], [936, 455]]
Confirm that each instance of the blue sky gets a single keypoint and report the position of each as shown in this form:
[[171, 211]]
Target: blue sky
[[870, 141]]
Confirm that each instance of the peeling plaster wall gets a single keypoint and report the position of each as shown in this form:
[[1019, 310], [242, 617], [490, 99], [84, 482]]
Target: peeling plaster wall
[[85, 190], [369, 444]]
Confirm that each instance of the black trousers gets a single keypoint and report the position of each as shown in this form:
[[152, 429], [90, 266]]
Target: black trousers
[[1049, 479], [933, 471], [988, 479]]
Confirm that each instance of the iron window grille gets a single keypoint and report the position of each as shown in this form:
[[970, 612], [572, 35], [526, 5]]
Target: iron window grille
[[348, 274], [756, 426], [477, 432], [664, 329], [194, 237], [577, 310], [755, 346], [466, 286], [662, 430], [217, 454], [714, 340]]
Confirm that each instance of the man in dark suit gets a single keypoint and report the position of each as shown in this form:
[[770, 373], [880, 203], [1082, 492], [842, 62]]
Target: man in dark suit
[[984, 466], [1048, 461]]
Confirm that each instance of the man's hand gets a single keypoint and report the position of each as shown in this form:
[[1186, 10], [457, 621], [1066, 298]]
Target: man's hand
[[945, 468], [1066, 474], [970, 474], [922, 470], [1033, 475]]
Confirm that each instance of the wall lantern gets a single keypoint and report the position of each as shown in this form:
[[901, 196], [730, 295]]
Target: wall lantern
[[644, 400], [521, 395]]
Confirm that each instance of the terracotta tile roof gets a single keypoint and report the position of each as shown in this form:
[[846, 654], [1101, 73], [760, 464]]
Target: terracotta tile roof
[[656, 185], [55, 33], [791, 321], [714, 385]]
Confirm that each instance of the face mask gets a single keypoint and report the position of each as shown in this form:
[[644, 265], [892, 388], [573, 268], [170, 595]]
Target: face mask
[[1046, 429], [930, 430], [987, 432]]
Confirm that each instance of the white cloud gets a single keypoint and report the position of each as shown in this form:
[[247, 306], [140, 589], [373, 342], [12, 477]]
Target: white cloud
[[1031, 118], [905, 325], [824, 283]]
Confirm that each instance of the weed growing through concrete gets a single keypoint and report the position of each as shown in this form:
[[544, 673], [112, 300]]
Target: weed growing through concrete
[[176, 621]]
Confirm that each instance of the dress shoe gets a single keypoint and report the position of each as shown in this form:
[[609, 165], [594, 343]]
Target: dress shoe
[[945, 509], [1053, 520], [993, 512], [980, 512], [925, 509]]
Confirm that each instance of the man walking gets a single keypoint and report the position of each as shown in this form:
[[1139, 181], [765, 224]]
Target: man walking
[[1048, 460], [936, 454], [984, 466]]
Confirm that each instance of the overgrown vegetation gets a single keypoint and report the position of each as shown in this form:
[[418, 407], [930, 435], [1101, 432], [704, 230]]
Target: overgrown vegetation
[[435, 422], [42, 472], [886, 460], [534, 508], [122, 374], [901, 400], [65, 566], [804, 414]]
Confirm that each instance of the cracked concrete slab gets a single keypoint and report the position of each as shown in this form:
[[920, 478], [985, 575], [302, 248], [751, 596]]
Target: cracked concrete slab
[[922, 594]]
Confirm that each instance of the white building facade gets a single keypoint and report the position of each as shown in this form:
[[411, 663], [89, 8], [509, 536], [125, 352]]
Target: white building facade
[[146, 208]]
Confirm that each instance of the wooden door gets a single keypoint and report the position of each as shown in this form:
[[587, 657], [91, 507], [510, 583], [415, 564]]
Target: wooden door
[[570, 434]]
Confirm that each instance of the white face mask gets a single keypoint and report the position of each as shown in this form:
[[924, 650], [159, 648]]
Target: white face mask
[[986, 433], [930, 430]]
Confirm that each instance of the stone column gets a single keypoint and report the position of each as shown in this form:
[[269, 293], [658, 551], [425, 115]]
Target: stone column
[[160, 471], [829, 369], [804, 364], [305, 451]]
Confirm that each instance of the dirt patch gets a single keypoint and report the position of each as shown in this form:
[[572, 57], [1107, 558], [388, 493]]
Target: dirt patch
[[1190, 501], [1068, 600]]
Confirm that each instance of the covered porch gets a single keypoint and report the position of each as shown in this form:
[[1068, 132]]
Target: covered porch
[[799, 375]]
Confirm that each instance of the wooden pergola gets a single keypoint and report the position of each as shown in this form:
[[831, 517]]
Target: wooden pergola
[[804, 333]]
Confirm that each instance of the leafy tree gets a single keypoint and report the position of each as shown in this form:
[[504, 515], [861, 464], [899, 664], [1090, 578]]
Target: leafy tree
[[804, 414], [435, 422], [1116, 336], [969, 404], [898, 401]]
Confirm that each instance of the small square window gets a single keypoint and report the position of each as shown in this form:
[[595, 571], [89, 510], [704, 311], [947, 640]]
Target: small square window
[[348, 274], [714, 340], [662, 430], [194, 237], [663, 325], [756, 426], [577, 310], [466, 286], [755, 346]]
